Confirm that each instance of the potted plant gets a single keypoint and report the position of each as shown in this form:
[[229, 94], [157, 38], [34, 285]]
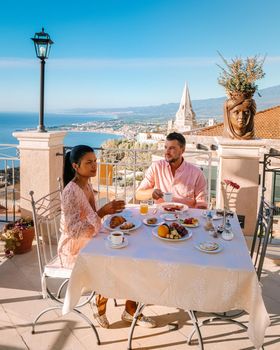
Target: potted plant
[[18, 236], [239, 77]]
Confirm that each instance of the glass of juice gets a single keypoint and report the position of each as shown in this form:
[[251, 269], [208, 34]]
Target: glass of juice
[[144, 207]]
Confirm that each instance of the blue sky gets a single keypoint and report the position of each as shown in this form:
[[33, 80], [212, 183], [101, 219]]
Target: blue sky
[[118, 53]]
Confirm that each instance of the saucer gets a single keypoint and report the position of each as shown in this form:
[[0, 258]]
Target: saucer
[[117, 246], [209, 248], [169, 217]]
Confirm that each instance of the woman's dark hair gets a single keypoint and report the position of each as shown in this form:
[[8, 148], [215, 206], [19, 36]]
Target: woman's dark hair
[[176, 136], [73, 156]]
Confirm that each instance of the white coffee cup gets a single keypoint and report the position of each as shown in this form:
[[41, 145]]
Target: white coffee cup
[[167, 196], [116, 237]]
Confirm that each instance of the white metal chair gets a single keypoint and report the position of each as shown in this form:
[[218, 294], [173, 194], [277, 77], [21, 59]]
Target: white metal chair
[[46, 213], [262, 234]]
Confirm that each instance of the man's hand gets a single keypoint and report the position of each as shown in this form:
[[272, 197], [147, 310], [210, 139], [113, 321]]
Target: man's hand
[[201, 206], [157, 194]]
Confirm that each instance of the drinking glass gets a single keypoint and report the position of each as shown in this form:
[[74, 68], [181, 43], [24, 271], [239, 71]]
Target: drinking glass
[[167, 196], [120, 197], [144, 207]]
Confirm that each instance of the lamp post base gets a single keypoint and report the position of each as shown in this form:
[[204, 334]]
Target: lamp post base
[[41, 128]]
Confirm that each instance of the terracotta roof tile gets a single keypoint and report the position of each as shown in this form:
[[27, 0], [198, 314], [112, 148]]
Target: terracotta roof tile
[[267, 125]]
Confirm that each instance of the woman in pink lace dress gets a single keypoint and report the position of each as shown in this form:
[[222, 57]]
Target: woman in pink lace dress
[[81, 220]]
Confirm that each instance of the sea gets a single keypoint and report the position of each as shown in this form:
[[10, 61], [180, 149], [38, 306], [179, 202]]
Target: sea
[[10, 122]]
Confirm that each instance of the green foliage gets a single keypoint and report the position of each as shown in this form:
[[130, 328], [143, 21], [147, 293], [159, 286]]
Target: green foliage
[[139, 177], [115, 151], [13, 234], [240, 75]]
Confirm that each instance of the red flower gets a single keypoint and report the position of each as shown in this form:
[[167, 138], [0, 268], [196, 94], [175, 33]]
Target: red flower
[[9, 253], [231, 184], [227, 182], [235, 185]]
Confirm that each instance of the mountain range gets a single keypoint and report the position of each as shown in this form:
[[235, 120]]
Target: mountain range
[[204, 109]]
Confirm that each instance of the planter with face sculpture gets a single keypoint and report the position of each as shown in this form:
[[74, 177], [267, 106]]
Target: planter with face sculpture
[[239, 118], [238, 78]]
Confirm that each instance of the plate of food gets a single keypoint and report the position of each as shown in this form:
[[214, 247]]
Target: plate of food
[[209, 247], [173, 207], [152, 221], [189, 222], [121, 222], [172, 233]]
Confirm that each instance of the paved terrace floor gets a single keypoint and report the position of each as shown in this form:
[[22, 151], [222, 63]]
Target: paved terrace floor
[[21, 302]]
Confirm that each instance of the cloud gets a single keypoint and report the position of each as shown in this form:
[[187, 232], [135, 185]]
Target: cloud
[[110, 62], [272, 59], [120, 63], [6, 62], [133, 62]]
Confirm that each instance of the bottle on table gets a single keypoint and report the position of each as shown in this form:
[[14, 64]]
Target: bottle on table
[[227, 233], [209, 222]]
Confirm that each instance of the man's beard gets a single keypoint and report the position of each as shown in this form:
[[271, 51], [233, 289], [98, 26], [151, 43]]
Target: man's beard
[[172, 160]]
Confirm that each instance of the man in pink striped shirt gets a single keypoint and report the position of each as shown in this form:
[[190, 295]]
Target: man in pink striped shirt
[[185, 180]]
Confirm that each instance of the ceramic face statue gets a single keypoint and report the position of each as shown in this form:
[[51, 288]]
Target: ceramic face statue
[[239, 118]]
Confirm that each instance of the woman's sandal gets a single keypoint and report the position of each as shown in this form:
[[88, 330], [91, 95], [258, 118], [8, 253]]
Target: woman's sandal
[[101, 319]]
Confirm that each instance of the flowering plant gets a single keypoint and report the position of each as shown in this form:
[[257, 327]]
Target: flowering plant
[[229, 188], [13, 234]]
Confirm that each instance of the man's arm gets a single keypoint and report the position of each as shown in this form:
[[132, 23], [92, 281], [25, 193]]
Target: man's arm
[[146, 188], [149, 193], [144, 194], [201, 192]]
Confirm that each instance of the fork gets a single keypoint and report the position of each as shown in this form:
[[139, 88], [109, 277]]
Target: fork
[[155, 211]]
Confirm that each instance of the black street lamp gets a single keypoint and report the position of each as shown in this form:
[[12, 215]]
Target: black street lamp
[[42, 43]]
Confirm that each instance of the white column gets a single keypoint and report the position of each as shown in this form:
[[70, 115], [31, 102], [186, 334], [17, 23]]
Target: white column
[[239, 162], [40, 164]]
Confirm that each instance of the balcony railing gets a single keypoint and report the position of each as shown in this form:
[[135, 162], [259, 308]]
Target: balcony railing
[[9, 181], [120, 171]]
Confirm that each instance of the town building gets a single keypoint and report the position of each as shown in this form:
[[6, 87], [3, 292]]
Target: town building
[[150, 137], [185, 116]]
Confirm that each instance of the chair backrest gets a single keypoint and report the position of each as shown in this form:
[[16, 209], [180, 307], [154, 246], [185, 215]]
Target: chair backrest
[[258, 226], [46, 213], [262, 233]]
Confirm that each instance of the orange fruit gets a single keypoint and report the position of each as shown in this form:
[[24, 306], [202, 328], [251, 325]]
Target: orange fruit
[[163, 230]]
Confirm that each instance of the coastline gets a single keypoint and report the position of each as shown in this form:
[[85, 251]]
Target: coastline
[[121, 128], [99, 131], [104, 128]]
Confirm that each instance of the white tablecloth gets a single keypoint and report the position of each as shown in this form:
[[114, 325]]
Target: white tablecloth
[[173, 274]]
